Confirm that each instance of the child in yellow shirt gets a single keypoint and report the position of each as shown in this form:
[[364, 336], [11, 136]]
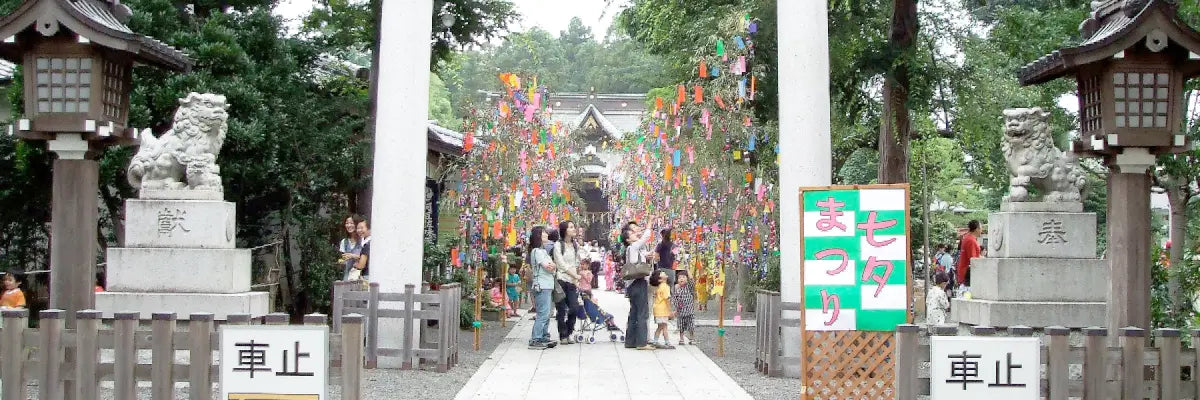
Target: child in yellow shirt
[[663, 311], [13, 297]]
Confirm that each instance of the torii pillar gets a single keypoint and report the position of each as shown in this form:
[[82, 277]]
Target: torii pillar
[[804, 145], [398, 175]]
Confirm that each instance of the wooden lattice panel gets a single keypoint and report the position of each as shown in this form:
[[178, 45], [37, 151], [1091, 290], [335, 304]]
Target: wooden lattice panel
[[849, 365]]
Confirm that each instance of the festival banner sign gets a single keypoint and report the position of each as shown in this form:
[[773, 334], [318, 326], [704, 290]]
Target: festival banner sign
[[856, 259]]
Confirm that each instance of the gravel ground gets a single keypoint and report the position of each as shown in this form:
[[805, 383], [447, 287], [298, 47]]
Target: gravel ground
[[738, 362], [380, 384]]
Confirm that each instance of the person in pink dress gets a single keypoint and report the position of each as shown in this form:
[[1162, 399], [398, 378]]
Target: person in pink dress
[[608, 273]]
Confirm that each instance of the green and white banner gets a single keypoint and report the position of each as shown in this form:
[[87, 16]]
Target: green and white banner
[[856, 273]]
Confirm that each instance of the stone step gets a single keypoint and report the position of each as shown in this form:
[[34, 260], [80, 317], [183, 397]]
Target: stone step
[[1039, 279], [184, 304], [180, 224], [1028, 313], [178, 270]]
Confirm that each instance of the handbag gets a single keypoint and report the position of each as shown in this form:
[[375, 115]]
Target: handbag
[[636, 270], [558, 294]]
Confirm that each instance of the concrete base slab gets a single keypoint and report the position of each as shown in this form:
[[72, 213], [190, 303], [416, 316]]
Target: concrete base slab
[[1028, 313], [1039, 279], [184, 304], [1042, 235], [180, 223], [179, 270]]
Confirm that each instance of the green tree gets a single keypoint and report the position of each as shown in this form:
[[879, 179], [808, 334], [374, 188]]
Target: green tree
[[351, 24], [293, 149]]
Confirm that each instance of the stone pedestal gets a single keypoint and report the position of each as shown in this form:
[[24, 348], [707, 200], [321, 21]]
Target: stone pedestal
[[1041, 271], [180, 257]]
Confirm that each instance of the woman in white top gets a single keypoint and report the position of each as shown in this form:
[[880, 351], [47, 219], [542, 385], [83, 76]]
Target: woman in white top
[[351, 246], [637, 333], [567, 258]]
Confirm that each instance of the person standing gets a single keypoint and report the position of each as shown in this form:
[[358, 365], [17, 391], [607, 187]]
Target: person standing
[[637, 333], [363, 266], [666, 255], [350, 247], [936, 302], [969, 248], [566, 259], [543, 285]]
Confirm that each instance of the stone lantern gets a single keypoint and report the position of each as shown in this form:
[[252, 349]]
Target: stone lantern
[[1130, 68], [77, 58]]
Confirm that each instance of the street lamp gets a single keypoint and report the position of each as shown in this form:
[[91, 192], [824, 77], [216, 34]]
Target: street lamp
[[1131, 68], [77, 58]]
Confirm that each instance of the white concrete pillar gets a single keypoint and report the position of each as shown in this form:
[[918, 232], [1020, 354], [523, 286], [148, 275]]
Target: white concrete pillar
[[804, 141], [398, 176]]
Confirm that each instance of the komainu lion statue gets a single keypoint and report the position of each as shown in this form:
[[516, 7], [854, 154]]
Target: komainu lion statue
[[1033, 159], [185, 157]]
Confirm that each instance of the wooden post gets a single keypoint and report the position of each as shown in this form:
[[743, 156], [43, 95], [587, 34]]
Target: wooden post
[[1133, 344], [408, 356], [503, 295], [983, 330], [50, 384], [162, 380], [1057, 370], [200, 327], [276, 319], [372, 328], [339, 290], [1129, 240], [352, 356], [907, 347], [1168, 364], [1196, 366], [13, 350], [315, 319], [87, 353], [775, 322], [1095, 349], [74, 214], [442, 348], [237, 319], [125, 354], [760, 340]]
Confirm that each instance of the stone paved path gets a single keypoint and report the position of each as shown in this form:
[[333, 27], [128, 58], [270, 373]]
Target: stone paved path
[[603, 370]]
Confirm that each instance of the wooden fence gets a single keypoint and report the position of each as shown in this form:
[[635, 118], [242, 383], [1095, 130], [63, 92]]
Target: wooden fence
[[1164, 370], [441, 306], [66, 362], [768, 347]]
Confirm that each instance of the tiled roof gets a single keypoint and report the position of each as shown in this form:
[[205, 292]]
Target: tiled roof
[[1109, 21], [601, 120], [446, 139], [100, 14], [98, 17]]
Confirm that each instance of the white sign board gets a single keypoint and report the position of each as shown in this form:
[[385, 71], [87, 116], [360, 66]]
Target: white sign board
[[261, 362], [982, 368]]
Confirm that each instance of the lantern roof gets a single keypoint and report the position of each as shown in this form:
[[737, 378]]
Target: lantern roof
[[97, 21], [1112, 27]]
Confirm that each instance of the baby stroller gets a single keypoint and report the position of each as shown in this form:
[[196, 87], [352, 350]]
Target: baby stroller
[[593, 320]]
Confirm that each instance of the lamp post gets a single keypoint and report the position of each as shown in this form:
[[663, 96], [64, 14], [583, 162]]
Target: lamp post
[[1130, 68], [77, 58]]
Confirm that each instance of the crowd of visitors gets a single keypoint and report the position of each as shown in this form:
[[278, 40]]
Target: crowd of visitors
[[951, 273], [556, 271]]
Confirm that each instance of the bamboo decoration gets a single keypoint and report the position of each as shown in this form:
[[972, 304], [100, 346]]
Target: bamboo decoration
[[478, 325]]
